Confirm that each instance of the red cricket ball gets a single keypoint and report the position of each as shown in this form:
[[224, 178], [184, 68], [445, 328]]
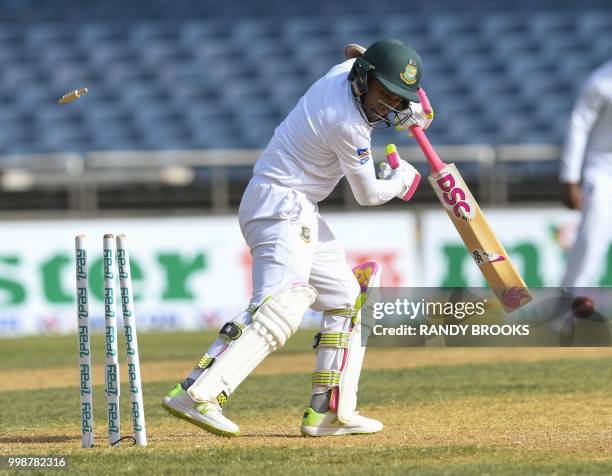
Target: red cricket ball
[[583, 307]]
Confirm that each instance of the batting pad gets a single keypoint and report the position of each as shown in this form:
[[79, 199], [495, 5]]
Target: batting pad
[[276, 319], [355, 352]]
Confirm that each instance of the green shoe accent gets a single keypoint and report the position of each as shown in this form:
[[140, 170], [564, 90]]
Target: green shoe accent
[[312, 418], [176, 391], [204, 426], [202, 408]]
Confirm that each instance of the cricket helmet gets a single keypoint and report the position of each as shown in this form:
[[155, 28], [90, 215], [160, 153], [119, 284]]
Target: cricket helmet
[[395, 64]]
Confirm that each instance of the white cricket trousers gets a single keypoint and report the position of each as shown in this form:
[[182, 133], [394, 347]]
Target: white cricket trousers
[[588, 255], [290, 242]]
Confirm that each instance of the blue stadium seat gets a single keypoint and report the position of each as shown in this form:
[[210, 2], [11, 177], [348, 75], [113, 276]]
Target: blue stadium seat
[[500, 25], [286, 94], [141, 93], [250, 33], [561, 46], [10, 131], [602, 47], [445, 25], [196, 31], [358, 29], [577, 67], [194, 76], [555, 107], [93, 32], [549, 23], [296, 29], [142, 33], [64, 138], [216, 134], [594, 25], [114, 52], [319, 48], [405, 28], [258, 133], [514, 47], [47, 34]]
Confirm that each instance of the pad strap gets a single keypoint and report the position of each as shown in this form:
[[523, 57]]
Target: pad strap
[[338, 340], [326, 377], [231, 331], [205, 362], [351, 313]]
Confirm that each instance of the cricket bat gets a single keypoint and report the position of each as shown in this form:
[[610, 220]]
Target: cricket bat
[[464, 212]]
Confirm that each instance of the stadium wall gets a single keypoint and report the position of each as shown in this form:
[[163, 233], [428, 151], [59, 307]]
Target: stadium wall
[[194, 272]]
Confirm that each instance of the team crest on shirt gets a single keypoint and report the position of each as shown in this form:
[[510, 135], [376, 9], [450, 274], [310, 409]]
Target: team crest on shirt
[[363, 155], [305, 234]]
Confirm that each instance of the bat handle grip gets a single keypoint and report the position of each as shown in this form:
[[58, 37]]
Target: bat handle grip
[[432, 157], [430, 154], [425, 104]]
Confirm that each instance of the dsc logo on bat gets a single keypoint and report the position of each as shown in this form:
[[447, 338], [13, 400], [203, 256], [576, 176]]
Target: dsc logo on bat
[[453, 195]]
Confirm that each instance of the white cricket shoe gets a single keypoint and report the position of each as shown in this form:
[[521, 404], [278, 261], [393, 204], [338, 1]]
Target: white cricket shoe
[[327, 424], [206, 415]]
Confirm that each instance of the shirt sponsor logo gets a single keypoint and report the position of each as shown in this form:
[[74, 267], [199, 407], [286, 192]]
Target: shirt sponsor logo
[[363, 155]]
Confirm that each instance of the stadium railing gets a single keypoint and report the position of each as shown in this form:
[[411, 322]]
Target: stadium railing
[[213, 180]]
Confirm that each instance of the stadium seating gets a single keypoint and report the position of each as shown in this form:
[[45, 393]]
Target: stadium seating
[[203, 77]]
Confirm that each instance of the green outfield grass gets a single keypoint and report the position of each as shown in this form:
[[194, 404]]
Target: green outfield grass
[[61, 350], [468, 416]]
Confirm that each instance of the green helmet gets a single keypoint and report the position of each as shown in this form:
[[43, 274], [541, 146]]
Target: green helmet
[[395, 64]]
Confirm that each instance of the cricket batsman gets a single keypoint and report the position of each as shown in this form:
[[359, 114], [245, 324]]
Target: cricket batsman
[[297, 262]]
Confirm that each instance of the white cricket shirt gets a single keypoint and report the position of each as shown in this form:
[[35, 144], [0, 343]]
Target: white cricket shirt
[[588, 146], [323, 138]]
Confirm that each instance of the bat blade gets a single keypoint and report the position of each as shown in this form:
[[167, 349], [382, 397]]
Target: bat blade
[[479, 239]]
